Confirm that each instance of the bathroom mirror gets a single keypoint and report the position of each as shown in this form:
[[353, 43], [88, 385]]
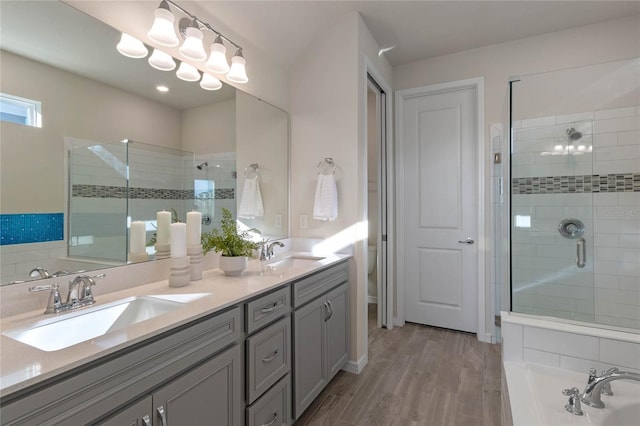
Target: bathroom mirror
[[85, 93]]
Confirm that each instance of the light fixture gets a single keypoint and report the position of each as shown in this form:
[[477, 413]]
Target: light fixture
[[162, 31], [209, 82], [131, 47], [218, 58], [238, 73], [161, 60], [192, 48], [187, 72], [162, 88]]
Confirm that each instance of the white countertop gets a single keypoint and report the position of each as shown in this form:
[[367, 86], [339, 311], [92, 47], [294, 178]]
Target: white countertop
[[22, 365]]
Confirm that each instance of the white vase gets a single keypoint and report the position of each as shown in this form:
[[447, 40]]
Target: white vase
[[232, 266]]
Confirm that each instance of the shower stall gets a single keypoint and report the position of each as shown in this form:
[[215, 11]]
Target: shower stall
[[575, 194]]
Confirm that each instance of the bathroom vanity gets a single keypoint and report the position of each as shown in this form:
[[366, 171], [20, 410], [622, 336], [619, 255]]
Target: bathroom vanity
[[254, 350]]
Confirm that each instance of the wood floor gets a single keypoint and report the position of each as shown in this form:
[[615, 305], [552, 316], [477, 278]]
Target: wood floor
[[416, 375]]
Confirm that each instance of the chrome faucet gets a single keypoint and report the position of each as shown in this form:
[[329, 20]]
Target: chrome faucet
[[266, 252], [598, 385], [39, 272], [80, 294]]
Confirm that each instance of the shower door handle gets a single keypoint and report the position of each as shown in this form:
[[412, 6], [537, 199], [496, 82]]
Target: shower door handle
[[581, 251], [467, 241]]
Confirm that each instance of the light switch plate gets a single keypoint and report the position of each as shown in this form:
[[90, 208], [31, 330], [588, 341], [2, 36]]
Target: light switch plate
[[304, 221]]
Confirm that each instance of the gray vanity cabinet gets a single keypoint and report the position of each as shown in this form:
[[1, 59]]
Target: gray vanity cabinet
[[321, 336], [210, 394]]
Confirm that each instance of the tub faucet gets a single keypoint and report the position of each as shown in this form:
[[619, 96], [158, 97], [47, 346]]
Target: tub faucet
[[598, 385]]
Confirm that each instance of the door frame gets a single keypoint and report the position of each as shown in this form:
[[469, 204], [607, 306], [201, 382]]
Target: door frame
[[476, 84], [371, 70]]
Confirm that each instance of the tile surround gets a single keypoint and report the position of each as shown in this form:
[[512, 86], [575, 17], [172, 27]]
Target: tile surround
[[103, 191], [26, 228]]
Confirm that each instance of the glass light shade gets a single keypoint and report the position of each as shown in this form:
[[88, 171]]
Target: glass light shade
[[161, 61], [162, 31], [131, 47], [209, 82], [238, 73], [192, 47], [187, 72], [218, 58]]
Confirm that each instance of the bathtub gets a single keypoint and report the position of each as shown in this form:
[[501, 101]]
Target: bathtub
[[535, 396]]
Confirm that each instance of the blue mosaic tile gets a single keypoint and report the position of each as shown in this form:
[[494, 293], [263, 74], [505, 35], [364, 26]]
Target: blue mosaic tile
[[26, 228]]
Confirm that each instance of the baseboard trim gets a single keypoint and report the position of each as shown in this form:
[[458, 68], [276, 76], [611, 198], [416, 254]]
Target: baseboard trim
[[356, 367]]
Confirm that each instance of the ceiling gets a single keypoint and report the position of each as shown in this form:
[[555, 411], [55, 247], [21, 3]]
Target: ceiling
[[418, 29]]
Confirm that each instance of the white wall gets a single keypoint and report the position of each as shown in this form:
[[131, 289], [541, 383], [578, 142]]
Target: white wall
[[328, 105], [210, 129], [602, 42]]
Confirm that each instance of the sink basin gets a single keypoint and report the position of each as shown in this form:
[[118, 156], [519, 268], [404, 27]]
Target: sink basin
[[66, 330], [293, 261]]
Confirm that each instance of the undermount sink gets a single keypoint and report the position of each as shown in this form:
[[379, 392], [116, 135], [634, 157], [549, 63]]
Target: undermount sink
[[52, 334], [293, 261]]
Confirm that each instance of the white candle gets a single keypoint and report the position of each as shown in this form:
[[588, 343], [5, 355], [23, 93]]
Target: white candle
[[137, 237], [194, 228], [178, 240], [162, 232]]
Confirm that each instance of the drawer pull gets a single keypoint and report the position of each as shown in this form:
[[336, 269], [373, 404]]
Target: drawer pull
[[163, 416], [275, 417], [268, 309], [330, 309], [146, 420], [270, 358]]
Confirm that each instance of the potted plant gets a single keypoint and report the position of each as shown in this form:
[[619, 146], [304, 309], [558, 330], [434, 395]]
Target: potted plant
[[233, 246]]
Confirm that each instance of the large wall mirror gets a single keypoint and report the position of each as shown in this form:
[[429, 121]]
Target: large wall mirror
[[88, 144]]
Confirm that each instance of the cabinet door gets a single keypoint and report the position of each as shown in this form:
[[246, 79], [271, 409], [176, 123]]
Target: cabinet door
[[337, 336], [309, 366], [208, 395], [138, 414]]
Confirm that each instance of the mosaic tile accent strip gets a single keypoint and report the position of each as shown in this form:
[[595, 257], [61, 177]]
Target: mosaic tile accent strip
[[23, 228], [102, 191], [624, 182]]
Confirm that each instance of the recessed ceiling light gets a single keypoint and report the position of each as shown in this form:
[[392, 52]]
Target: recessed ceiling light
[[162, 88]]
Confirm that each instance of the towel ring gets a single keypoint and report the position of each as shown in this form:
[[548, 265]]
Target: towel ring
[[251, 171], [326, 167]]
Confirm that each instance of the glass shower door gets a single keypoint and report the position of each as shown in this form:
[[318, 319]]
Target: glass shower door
[[575, 194]]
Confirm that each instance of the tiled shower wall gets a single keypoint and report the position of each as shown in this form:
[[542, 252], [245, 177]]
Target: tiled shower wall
[[601, 187]]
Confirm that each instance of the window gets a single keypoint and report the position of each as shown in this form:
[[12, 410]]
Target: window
[[19, 110]]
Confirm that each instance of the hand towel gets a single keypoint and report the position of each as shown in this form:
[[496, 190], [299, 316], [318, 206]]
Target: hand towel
[[325, 206], [251, 202]]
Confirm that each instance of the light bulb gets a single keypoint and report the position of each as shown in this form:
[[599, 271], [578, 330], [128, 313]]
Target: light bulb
[[162, 31], [187, 72], [209, 82], [192, 47], [238, 73], [131, 47], [218, 58], [161, 61]]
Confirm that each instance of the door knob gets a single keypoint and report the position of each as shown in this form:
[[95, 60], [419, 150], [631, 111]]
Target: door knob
[[467, 241]]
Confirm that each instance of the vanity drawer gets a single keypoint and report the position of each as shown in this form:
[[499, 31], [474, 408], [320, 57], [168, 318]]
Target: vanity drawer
[[317, 284], [273, 408], [266, 309], [268, 357]]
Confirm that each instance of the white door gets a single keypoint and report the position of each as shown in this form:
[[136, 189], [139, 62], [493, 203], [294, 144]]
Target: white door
[[440, 209]]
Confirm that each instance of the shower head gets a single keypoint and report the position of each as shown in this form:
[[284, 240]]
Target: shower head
[[573, 135], [202, 165]]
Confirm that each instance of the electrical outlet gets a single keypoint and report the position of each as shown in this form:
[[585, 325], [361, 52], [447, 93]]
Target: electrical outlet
[[278, 221], [304, 221]]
